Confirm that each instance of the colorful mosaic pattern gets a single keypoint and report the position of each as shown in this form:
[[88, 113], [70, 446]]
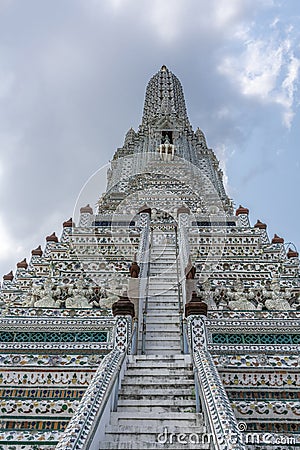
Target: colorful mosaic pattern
[[40, 336], [256, 338]]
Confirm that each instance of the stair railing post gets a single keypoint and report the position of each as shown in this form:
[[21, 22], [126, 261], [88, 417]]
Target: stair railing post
[[183, 249], [209, 388], [179, 291], [143, 259], [87, 426], [185, 337]]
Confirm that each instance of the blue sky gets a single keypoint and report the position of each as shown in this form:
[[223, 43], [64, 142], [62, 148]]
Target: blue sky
[[73, 75]]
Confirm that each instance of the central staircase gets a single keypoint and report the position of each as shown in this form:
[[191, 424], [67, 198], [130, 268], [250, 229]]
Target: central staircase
[[156, 405]]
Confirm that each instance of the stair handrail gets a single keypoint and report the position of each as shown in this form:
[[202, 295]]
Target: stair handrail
[[208, 391], [145, 309], [184, 253], [99, 399], [179, 292]]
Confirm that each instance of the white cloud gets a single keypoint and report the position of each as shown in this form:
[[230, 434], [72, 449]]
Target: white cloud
[[227, 12], [289, 86], [259, 71], [168, 20], [224, 153], [274, 23]]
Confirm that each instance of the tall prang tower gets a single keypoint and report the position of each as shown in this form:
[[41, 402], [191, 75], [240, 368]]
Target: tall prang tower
[[165, 153], [162, 318]]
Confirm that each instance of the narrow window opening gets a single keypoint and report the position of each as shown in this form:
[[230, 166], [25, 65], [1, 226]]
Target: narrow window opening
[[167, 137]]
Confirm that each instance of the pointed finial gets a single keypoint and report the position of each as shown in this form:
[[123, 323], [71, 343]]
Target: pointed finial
[[260, 225], [241, 210], [86, 209], [277, 240], [52, 238], [9, 276], [292, 253], [22, 264], [163, 68], [37, 251], [68, 223]]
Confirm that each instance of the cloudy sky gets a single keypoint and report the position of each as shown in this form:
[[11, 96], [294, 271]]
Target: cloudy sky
[[72, 81]]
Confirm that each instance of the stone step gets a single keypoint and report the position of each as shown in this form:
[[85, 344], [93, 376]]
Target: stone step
[[170, 335], [154, 337], [161, 285], [160, 290], [164, 310], [156, 322], [141, 445], [155, 419], [165, 314], [158, 371], [126, 429], [166, 273], [155, 343], [162, 280], [158, 382], [162, 258], [162, 351], [155, 246], [148, 444], [151, 350], [157, 403], [155, 407], [167, 350], [160, 302], [154, 316], [158, 249], [168, 265], [171, 330], [158, 393], [144, 445], [160, 293], [157, 261], [174, 358], [165, 363], [163, 277], [168, 307], [164, 267], [169, 399], [167, 269]]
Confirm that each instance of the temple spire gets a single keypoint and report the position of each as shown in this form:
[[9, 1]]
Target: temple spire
[[164, 97]]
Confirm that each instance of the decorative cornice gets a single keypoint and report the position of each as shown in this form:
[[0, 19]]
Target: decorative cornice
[[241, 348], [62, 346]]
